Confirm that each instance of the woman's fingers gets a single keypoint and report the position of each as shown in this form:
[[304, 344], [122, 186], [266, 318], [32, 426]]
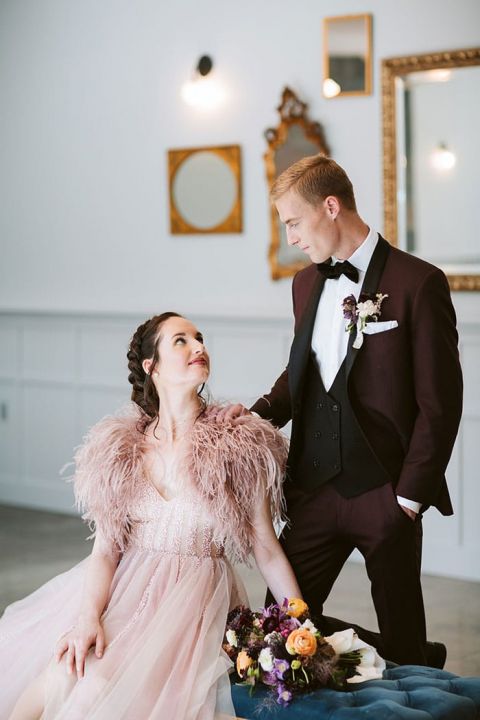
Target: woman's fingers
[[100, 644], [80, 655], [70, 657], [62, 647]]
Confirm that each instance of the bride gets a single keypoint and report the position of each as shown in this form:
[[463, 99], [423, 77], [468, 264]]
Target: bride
[[134, 632]]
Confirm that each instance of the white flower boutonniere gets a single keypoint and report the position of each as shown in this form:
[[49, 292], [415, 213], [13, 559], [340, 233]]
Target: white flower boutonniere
[[358, 314]]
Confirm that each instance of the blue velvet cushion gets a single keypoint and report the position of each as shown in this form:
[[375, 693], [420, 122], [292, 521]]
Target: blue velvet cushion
[[406, 692]]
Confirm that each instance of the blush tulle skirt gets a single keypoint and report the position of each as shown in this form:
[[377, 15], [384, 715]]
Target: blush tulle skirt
[[164, 625]]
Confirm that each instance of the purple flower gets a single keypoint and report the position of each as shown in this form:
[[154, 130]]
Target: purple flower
[[269, 678], [280, 667], [284, 695], [349, 307]]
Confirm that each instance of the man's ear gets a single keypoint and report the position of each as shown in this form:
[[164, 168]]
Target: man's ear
[[332, 206]]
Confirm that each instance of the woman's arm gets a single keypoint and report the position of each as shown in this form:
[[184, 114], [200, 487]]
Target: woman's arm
[[88, 631], [270, 558]]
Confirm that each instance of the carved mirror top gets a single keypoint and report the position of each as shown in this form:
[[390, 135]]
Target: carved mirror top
[[294, 138]]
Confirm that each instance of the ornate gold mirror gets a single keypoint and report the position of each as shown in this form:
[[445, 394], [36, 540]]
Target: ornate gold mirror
[[431, 120], [347, 55], [205, 190], [294, 138]]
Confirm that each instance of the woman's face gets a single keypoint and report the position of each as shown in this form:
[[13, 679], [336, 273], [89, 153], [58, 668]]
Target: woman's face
[[183, 359]]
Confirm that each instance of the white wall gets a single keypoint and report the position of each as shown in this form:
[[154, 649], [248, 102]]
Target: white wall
[[90, 95]]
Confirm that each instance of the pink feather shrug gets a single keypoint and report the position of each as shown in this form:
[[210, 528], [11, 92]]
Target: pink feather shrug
[[231, 467]]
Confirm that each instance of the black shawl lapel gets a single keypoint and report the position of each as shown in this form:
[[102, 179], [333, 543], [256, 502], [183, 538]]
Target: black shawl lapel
[[370, 285], [303, 339]]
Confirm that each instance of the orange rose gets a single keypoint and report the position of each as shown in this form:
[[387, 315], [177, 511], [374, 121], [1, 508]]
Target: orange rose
[[296, 607], [243, 663], [301, 642]]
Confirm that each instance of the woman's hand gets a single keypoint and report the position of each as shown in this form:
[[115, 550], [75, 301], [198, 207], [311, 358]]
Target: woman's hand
[[87, 632]]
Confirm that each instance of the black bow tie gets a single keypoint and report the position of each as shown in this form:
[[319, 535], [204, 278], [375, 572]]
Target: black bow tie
[[330, 271]]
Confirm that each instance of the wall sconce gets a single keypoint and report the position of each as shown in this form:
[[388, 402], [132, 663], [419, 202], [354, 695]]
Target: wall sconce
[[442, 158], [331, 88], [203, 91]]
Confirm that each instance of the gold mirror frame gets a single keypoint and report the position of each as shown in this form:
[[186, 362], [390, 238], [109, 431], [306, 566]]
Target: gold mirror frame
[[292, 112], [230, 154], [327, 75], [391, 69]]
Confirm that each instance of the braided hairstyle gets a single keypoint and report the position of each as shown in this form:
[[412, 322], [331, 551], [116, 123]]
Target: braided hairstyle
[[143, 345]]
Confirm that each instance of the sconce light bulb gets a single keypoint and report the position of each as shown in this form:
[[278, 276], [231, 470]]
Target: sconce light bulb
[[442, 158], [203, 93], [331, 88]]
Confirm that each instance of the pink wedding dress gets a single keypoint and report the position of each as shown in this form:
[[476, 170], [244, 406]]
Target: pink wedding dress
[[165, 618], [164, 626]]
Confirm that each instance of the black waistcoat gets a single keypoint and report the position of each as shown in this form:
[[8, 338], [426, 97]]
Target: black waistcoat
[[329, 443]]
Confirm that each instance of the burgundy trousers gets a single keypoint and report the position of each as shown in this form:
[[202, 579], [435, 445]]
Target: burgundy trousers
[[325, 527]]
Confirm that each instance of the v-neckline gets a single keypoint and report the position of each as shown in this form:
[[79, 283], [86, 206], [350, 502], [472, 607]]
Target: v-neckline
[[157, 492]]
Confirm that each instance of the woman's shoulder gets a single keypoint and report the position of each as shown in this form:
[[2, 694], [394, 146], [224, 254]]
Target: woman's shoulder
[[234, 465], [108, 466], [233, 435]]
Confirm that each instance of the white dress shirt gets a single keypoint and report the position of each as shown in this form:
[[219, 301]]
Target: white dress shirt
[[329, 337]]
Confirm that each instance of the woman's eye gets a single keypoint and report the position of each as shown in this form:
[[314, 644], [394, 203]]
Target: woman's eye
[[179, 340]]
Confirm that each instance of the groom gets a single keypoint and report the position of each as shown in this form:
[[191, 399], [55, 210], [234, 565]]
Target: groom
[[375, 410]]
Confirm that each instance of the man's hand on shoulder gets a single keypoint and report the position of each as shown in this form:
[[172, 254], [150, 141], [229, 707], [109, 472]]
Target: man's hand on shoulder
[[230, 413]]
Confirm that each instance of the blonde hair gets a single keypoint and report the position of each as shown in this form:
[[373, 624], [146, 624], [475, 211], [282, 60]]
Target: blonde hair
[[314, 178]]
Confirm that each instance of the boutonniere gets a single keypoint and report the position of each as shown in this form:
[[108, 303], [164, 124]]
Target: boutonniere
[[358, 314]]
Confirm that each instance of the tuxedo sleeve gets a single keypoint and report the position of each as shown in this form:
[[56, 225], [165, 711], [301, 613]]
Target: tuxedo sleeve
[[275, 405], [438, 390]]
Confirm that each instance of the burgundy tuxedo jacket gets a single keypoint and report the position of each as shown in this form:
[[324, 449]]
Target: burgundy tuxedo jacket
[[405, 384]]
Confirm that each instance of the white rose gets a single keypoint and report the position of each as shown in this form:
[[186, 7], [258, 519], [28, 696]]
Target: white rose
[[366, 308], [342, 641], [232, 638], [309, 626], [266, 660]]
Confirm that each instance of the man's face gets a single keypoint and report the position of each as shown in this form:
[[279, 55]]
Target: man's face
[[312, 229]]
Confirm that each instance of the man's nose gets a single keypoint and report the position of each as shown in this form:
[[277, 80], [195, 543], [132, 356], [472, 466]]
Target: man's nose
[[292, 239]]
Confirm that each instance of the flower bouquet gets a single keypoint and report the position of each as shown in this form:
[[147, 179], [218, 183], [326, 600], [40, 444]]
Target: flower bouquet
[[279, 646]]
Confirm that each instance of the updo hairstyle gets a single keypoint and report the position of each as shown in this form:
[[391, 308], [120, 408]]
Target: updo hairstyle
[[143, 346]]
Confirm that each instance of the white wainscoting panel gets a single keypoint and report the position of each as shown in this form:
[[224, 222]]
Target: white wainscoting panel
[[60, 373]]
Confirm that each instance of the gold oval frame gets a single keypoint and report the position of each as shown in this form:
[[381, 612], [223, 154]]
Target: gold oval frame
[[231, 154], [391, 69]]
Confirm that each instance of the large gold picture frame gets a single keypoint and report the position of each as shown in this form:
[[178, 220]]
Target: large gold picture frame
[[393, 71]]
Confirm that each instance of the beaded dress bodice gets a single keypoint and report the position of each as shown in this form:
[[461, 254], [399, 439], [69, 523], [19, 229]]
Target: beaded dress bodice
[[180, 526]]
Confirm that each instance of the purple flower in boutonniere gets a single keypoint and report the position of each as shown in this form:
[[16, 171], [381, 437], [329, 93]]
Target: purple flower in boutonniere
[[358, 314]]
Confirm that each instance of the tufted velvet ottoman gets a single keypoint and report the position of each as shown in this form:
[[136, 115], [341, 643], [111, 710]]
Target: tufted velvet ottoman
[[406, 692]]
